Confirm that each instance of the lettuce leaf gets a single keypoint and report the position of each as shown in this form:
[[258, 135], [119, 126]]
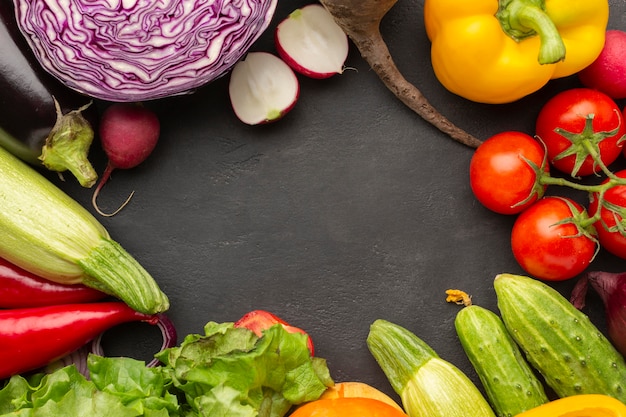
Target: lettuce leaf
[[231, 372], [227, 371], [65, 392]]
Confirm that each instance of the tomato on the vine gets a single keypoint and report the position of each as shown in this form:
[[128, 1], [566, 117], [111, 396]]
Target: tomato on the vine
[[611, 227], [501, 173], [548, 241], [577, 122]]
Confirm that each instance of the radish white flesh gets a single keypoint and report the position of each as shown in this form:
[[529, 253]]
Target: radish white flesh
[[262, 88], [312, 43]]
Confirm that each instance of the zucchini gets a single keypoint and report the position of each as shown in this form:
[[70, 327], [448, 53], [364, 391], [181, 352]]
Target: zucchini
[[509, 382], [427, 385], [559, 340], [47, 233]]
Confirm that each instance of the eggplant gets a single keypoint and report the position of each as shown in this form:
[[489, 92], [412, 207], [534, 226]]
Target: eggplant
[[42, 121]]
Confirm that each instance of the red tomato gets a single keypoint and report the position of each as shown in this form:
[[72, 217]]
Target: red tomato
[[500, 175], [576, 119], [549, 247], [611, 220]]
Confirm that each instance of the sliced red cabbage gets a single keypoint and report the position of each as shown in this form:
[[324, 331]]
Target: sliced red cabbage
[[135, 50]]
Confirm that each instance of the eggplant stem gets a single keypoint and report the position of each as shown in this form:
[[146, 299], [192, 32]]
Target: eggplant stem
[[17, 148]]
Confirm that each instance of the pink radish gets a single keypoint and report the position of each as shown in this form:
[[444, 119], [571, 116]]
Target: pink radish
[[262, 88], [128, 134], [608, 72], [311, 42]]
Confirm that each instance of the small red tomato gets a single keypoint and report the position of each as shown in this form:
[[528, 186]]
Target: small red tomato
[[548, 244], [576, 121], [612, 218], [502, 178]]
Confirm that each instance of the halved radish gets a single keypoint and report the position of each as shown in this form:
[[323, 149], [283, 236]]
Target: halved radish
[[262, 88], [311, 42]]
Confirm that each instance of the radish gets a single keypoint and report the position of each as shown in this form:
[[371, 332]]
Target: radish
[[262, 88], [311, 42], [608, 72], [128, 134]]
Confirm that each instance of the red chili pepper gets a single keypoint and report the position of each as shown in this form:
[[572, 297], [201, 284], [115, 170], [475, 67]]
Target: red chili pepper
[[259, 320], [33, 337], [20, 289]]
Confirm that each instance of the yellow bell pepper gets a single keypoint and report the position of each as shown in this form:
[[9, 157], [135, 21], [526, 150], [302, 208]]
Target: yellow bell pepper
[[498, 51], [584, 405]]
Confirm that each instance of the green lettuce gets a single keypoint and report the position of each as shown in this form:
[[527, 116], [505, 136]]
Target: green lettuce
[[227, 372], [120, 387]]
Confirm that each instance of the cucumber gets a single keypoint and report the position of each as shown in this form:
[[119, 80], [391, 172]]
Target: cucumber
[[509, 382], [559, 341]]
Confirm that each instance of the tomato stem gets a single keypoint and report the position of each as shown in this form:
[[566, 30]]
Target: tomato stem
[[544, 178]]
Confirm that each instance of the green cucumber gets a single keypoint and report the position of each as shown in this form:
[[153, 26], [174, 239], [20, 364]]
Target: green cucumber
[[559, 341], [509, 382]]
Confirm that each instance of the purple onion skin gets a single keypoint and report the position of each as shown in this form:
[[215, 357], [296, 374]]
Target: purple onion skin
[[139, 50], [611, 287]]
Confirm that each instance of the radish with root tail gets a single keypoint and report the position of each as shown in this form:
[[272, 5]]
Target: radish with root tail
[[128, 134]]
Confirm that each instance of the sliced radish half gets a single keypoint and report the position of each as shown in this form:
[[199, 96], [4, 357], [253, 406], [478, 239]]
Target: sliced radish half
[[262, 88], [311, 42]]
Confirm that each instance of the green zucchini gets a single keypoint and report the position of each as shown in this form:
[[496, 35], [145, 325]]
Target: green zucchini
[[509, 382], [427, 385], [559, 341], [46, 232]]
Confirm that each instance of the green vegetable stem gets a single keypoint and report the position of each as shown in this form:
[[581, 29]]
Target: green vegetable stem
[[587, 146], [67, 146]]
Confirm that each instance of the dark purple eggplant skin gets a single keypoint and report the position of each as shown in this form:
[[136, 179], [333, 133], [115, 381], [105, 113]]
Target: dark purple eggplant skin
[[27, 110]]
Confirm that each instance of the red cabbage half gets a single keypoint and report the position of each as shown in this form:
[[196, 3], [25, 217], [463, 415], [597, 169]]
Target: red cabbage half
[[134, 50]]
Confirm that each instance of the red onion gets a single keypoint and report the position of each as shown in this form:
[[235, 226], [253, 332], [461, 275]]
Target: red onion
[[611, 287], [168, 331], [79, 357]]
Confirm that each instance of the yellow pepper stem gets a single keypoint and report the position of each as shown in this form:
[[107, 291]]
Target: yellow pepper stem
[[524, 18]]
